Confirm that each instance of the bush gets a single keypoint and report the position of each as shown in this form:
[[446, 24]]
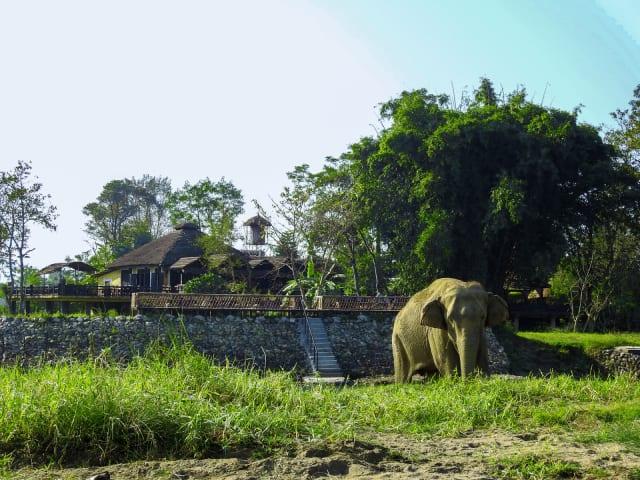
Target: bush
[[208, 283]]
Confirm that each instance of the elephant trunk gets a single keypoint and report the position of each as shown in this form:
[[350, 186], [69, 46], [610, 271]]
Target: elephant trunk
[[468, 344]]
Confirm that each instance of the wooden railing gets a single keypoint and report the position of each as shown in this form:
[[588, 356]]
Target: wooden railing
[[211, 302], [143, 301], [338, 303], [144, 298], [275, 303], [83, 291]]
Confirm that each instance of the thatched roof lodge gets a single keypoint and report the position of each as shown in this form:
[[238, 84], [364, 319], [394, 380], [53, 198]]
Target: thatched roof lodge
[[166, 261], [177, 257]]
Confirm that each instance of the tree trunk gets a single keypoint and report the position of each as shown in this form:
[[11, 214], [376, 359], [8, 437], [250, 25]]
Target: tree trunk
[[354, 268]]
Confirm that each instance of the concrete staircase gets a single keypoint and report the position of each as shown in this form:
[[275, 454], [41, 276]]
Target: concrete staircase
[[327, 366]]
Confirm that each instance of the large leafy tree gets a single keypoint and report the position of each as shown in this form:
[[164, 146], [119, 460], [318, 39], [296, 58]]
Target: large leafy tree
[[206, 203], [23, 205], [599, 272], [128, 213], [488, 192], [151, 195], [626, 135]]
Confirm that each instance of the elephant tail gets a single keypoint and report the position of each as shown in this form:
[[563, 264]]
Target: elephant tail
[[400, 360]]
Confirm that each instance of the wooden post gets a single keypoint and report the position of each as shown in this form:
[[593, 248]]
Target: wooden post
[[27, 306], [516, 323], [552, 323], [48, 306], [134, 303]]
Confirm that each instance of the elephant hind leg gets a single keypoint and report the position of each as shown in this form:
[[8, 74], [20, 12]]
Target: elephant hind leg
[[400, 361]]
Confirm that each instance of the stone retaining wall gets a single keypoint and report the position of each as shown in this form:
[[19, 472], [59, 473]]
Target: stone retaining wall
[[619, 360], [271, 342], [361, 344]]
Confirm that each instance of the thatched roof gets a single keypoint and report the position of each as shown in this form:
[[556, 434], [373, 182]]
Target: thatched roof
[[75, 265], [232, 257], [165, 251], [185, 262], [257, 220]]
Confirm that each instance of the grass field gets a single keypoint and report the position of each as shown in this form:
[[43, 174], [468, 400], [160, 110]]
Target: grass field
[[176, 403], [586, 341]]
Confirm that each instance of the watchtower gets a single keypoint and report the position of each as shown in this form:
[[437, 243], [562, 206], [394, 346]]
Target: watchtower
[[256, 232]]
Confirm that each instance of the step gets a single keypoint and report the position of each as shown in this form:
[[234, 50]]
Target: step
[[336, 380], [332, 373], [321, 354], [328, 366], [327, 361]]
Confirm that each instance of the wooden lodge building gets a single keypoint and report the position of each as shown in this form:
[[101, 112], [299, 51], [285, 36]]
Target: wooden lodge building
[[161, 264], [167, 263]]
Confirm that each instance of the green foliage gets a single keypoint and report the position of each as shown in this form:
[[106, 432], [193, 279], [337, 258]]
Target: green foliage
[[210, 282], [206, 203], [23, 206], [219, 238], [102, 256], [314, 283], [175, 403], [507, 198], [561, 283], [286, 246], [626, 137], [128, 213], [31, 276], [489, 189], [600, 272]]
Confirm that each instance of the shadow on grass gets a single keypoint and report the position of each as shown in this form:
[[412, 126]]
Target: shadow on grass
[[531, 357]]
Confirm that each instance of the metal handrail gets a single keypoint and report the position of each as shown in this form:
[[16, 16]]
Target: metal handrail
[[310, 342]]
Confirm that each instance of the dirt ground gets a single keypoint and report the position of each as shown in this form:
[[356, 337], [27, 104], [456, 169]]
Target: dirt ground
[[474, 456]]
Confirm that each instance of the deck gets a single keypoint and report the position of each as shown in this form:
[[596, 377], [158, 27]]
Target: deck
[[103, 296]]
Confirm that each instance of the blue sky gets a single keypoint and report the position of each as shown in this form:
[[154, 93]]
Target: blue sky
[[93, 91], [581, 51]]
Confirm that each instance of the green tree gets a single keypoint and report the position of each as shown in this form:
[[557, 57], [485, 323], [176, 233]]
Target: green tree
[[128, 213], [626, 136], [599, 272], [305, 230], [151, 195], [206, 203], [339, 221], [487, 192], [24, 205]]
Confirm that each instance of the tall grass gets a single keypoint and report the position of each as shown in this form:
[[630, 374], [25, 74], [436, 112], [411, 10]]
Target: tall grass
[[177, 403]]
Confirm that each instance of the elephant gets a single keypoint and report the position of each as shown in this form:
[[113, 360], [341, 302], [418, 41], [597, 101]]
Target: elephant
[[441, 329]]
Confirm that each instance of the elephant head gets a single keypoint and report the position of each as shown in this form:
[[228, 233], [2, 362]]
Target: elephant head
[[464, 312]]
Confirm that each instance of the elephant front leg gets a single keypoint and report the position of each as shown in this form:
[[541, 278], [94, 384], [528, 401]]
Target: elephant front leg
[[445, 356], [483, 356]]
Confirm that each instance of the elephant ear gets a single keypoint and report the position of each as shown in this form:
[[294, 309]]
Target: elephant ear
[[432, 315], [497, 310]]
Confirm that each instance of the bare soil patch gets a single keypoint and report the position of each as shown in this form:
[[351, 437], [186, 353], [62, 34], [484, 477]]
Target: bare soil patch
[[478, 455]]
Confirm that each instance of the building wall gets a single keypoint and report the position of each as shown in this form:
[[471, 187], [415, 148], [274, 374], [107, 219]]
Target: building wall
[[113, 276]]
